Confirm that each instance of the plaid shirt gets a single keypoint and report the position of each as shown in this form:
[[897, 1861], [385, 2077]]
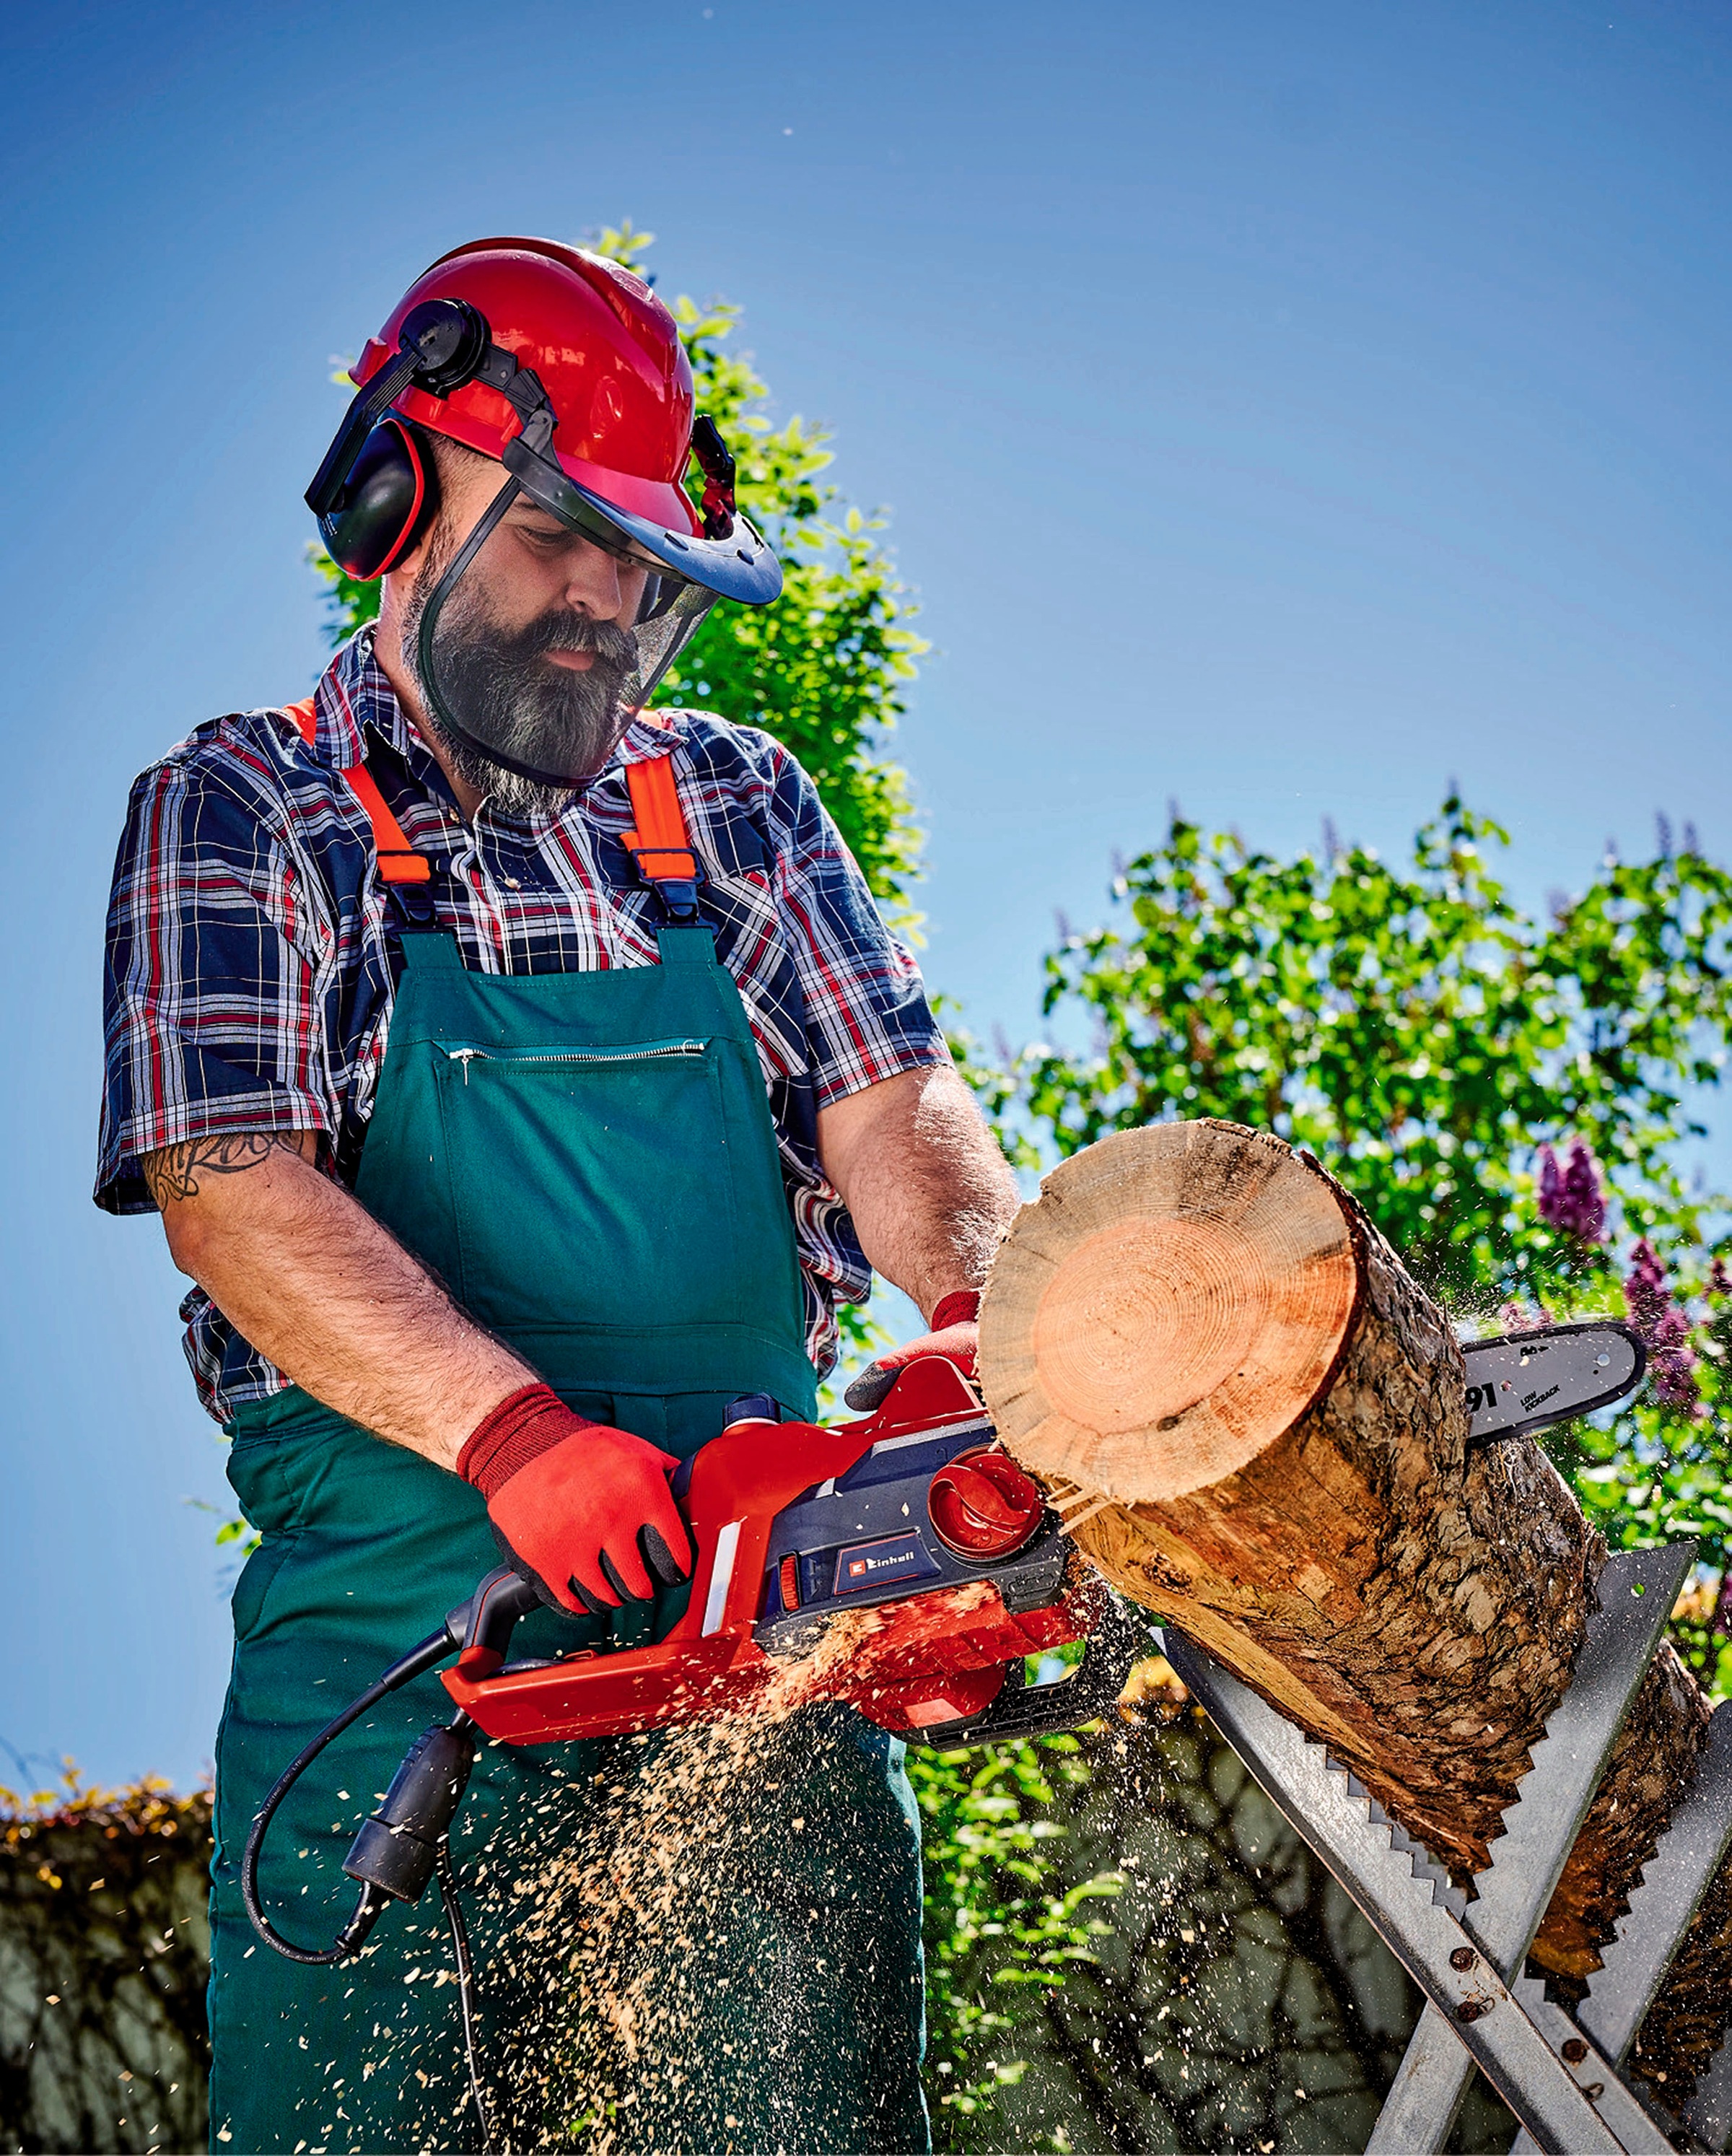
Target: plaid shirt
[[248, 985]]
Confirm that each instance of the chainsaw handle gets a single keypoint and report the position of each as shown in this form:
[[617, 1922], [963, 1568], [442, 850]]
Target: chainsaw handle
[[482, 1627]]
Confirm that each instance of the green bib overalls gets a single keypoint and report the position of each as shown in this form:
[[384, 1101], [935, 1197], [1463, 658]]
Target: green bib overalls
[[588, 1162]]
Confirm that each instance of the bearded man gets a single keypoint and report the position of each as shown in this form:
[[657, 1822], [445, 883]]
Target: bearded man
[[521, 1075]]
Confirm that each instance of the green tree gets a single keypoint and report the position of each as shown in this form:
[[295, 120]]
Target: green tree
[[1507, 1094], [999, 1928]]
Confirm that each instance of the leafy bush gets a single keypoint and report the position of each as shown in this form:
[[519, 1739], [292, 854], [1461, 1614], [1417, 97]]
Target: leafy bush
[[104, 1950], [1507, 1095], [997, 1926]]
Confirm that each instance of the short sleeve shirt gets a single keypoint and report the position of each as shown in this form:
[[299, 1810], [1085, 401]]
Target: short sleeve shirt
[[249, 983]]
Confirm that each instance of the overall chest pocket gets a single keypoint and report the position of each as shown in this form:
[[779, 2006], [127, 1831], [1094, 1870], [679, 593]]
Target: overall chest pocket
[[592, 1184]]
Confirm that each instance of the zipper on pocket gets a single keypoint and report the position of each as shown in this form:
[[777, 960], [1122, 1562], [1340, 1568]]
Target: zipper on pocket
[[652, 1051]]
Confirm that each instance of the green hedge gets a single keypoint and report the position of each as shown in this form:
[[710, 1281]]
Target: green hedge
[[1229, 1996], [103, 1951]]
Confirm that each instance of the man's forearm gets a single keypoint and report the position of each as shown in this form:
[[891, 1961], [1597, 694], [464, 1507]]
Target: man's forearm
[[306, 1274], [928, 1189]]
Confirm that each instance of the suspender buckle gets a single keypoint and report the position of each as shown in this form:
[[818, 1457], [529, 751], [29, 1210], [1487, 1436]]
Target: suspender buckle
[[681, 900], [412, 903], [660, 846], [672, 874]]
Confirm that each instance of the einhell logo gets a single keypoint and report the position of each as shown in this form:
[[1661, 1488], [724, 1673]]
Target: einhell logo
[[870, 1564], [867, 1567]]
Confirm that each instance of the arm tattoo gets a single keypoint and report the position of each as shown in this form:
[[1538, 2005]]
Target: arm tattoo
[[173, 1173]]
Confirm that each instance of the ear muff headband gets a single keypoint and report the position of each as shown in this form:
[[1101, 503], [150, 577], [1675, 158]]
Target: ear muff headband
[[444, 343], [375, 489]]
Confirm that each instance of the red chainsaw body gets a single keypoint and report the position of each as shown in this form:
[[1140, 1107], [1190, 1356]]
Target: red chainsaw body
[[936, 1654]]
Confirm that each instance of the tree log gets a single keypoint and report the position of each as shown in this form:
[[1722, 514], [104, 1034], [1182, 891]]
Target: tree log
[[1257, 1421]]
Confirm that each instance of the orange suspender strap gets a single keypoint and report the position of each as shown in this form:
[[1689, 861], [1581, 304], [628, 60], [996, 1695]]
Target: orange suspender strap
[[398, 860], [660, 845]]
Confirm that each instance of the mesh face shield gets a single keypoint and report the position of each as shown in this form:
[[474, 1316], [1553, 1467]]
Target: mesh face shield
[[510, 669]]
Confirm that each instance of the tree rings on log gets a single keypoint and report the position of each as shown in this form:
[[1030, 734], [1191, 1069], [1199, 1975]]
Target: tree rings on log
[[1173, 1301]]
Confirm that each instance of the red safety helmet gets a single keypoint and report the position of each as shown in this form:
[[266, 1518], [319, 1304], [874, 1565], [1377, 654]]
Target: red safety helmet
[[607, 353], [568, 370]]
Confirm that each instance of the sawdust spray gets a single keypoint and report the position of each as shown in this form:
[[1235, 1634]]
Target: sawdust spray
[[631, 1938]]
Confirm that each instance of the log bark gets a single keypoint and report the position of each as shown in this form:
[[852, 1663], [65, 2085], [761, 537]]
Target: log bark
[[1255, 1422]]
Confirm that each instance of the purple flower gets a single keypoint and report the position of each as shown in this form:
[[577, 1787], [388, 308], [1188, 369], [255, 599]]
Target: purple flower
[[1644, 1296], [1665, 1328], [1570, 1199], [1514, 1318], [1720, 1280]]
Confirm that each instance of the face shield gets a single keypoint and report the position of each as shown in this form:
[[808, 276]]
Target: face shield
[[511, 668]]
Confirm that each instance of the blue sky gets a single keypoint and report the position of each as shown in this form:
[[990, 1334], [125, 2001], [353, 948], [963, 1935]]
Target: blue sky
[[1282, 407]]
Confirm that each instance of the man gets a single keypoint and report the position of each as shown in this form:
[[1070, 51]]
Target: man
[[521, 1076]]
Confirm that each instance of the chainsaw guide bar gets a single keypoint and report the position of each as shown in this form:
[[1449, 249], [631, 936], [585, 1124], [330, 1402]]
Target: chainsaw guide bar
[[1519, 1382]]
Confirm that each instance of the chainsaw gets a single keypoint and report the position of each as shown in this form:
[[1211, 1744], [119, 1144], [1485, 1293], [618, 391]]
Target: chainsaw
[[902, 1563]]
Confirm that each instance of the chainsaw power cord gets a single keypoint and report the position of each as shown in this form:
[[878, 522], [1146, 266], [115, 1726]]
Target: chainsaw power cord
[[407, 1840], [373, 1901], [446, 1878]]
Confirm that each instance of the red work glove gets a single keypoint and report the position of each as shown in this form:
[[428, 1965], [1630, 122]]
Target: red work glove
[[955, 1332], [581, 1510]]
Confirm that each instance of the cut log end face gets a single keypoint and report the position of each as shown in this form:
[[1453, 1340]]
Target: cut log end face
[[1171, 1304]]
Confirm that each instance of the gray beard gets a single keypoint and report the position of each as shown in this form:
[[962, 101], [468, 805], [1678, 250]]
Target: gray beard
[[507, 790], [541, 714]]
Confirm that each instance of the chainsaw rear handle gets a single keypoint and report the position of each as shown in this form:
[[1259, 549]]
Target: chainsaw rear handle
[[481, 1627]]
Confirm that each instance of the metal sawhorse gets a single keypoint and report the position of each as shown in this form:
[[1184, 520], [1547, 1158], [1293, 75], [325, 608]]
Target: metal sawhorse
[[1561, 2073]]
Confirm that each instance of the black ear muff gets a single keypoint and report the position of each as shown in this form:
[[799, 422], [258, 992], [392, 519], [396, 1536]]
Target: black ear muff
[[386, 503]]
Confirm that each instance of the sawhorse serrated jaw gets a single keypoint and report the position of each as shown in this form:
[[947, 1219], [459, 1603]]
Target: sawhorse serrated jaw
[[1317, 1796], [1686, 1860], [1637, 1592], [1561, 2077]]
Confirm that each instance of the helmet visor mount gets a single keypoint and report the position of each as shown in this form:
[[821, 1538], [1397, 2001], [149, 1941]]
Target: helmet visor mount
[[532, 684]]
